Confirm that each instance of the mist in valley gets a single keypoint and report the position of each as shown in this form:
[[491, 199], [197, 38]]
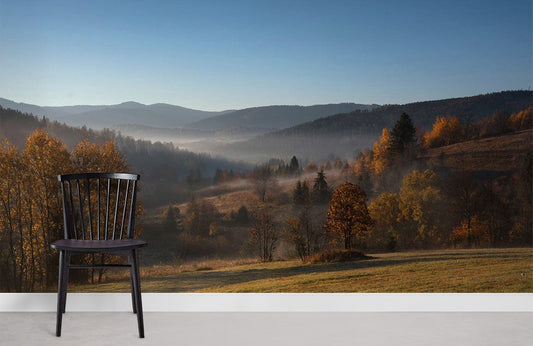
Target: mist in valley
[[256, 146]]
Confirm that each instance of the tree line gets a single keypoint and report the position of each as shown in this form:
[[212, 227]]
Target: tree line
[[31, 210]]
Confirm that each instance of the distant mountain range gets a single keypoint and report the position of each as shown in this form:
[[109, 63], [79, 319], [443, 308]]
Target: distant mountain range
[[161, 115], [102, 116], [274, 117]]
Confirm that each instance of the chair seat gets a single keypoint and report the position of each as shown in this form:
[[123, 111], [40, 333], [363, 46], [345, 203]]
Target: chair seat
[[97, 245]]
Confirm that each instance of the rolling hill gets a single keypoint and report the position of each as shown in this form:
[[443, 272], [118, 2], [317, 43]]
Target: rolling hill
[[102, 116], [274, 117], [344, 135]]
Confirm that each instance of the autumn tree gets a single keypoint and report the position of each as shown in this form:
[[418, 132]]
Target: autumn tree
[[495, 125], [446, 130], [17, 265], [363, 169], [348, 217], [100, 158], [422, 207], [522, 120], [475, 231], [387, 230], [382, 151], [30, 205], [311, 167], [45, 158], [200, 215]]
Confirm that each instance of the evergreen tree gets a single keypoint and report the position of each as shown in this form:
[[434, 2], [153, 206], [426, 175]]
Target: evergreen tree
[[403, 133], [321, 192], [219, 174], [170, 222], [294, 166], [300, 195]]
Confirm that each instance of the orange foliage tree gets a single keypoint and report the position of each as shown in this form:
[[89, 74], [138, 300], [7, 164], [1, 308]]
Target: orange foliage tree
[[446, 131], [522, 120], [30, 204], [348, 217], [382, 150]]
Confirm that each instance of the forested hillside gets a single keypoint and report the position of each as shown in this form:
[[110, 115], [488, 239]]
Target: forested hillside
[[161, 165], [423, 114], [274, 117], [345, 135]]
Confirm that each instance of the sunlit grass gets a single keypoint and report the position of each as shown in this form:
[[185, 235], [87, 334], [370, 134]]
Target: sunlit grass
[[485, 270]]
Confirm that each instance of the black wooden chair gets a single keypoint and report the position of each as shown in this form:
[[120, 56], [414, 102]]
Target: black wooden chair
[[99, 217]]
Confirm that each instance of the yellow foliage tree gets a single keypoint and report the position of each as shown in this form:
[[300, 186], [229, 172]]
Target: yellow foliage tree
[[446, 131], [474, 231], [522, 120], [422, 209], [13, 230], [45, 158], [385, 210], [382, 152], [30, 204], [101, 158]]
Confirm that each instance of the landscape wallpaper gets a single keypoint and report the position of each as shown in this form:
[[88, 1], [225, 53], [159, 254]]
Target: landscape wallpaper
[[283, 146]]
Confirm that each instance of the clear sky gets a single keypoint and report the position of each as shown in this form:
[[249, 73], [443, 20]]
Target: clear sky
[[215, 55]]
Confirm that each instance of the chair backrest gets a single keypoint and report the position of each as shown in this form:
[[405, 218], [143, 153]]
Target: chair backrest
[[99, 206]]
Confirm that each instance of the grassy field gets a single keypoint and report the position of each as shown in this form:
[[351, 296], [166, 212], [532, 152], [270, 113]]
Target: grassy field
[[483, 270]]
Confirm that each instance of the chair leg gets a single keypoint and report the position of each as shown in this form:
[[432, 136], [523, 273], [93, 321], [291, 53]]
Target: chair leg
[[65, 279], [132, 281], [60, 286], [138, 299]]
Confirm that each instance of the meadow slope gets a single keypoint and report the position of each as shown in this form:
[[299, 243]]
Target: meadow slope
[[473, 270]]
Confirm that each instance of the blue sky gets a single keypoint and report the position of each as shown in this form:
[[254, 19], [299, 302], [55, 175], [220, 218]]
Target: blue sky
[[215, 55]]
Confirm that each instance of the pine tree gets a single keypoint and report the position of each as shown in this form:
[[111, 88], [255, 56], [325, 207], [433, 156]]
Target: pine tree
[[294, 166], [321, 192], [300, 195], [403, 133]]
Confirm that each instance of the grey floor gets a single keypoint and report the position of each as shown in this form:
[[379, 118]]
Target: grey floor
[[256, 329]]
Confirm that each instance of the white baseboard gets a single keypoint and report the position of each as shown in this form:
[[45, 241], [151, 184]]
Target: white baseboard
[[275, 302]]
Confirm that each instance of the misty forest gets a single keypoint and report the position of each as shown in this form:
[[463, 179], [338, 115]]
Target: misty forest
[[291, 187]]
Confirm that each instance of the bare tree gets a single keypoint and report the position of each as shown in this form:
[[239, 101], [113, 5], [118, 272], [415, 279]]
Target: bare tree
[[264, 233], [264, 182]]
